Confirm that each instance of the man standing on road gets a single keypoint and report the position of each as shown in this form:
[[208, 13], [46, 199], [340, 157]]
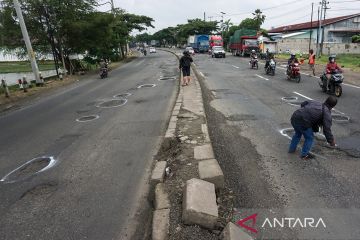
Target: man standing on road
[[307, 120], [184, 65]]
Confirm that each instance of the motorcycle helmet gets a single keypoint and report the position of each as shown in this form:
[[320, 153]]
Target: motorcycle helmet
[[292, 55], [331, 58], [253, 51], [186, 52]]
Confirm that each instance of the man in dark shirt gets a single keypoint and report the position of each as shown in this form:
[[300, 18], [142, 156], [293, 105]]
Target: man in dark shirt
[[185, 64], [307, 120]]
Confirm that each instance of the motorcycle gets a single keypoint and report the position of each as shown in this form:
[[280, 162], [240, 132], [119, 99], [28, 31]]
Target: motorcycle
[[270, 69], [334, 84], [145, 52], [293, 72], [254, 63], [103, 72]]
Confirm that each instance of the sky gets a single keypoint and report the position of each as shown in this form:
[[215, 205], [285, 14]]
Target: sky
[[169, 13]]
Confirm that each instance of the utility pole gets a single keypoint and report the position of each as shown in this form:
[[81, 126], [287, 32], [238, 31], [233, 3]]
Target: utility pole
[[210, 18], [25, 34], [319, 30], [204, 17], [323, 29], [112, 7], [311, 24]]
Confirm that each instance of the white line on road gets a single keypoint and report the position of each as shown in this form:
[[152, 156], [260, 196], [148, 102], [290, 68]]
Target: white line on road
[[261, 77], [350, 85], [235, 66], [303, 96], [312, 99]]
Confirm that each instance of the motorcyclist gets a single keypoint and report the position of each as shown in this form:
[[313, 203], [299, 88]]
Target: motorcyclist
[[253, 54], [331, 68], [144, 51], [269, 56], [291, 61]]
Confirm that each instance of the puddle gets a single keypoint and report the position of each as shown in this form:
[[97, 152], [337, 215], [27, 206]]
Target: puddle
[[112, 103], [122, 95], [166, 78], [28, 169], [340, 118], [147, 86], [87, 118]]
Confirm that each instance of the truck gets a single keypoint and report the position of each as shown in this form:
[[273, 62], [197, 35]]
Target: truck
[[201, 43], [191, 41], [215, 40], [243, 42], [155, 43]]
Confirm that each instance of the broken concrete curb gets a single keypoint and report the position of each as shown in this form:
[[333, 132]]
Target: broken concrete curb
[[203, 152], [233, 232], [210, 170], [199, 203]]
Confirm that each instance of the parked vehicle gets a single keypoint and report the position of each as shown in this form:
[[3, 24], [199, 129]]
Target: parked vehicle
[[103, 72], [191, 41], [190, 50], [293, 72], [218, 51], [152, 50], [334, 84], [243, 41], [201, 43], [254, 63], [270, 69]]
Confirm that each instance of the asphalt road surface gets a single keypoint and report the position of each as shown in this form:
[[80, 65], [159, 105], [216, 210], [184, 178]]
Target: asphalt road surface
[[100, 166], [248, 123]]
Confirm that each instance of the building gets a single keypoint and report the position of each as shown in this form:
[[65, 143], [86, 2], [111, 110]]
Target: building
[[336, 32]]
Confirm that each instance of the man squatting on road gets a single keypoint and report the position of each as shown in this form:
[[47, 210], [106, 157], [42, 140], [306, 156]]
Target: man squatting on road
[[307, 120], [184, 65]]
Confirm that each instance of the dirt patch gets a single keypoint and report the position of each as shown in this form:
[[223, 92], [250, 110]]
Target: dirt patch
[[40, 190]]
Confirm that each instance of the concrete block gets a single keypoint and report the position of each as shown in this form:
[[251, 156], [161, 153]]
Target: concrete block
[[161, 197], [210, 170], [175, 112], [173, 119], [170, 133], [203, 152], [158, 173], [233, 232], [172, 125], [160, 227], [199, 203], [205, 131]]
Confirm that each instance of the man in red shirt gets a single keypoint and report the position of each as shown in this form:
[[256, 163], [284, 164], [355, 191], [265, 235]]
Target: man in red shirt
[[331, 68]]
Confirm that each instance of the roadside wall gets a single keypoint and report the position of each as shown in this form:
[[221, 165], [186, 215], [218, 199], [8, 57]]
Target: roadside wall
[[302, 46]]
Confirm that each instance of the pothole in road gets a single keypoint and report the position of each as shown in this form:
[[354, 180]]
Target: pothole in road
[[87, 118], [340, 118], [147, 86], [289, 99], [40, 190], [28, 169], [112, 103], [122, 95], [241, 117], [167, 78]]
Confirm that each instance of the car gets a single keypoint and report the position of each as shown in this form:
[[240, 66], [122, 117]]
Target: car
[[218, 51], [152, 50], [190, 50]]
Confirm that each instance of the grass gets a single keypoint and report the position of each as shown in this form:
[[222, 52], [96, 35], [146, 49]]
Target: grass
[[24, 66], [351, 61]]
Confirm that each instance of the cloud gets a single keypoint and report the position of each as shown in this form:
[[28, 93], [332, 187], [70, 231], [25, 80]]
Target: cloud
[[168, 13]]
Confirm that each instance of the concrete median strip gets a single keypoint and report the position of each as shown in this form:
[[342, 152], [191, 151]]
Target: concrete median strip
[[161, 197], [158, 173], [199, 203]]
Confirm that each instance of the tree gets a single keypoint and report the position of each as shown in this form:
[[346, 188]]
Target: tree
[[248, 23], [259, 18], [195, 26], [356, 38], [70, 26]]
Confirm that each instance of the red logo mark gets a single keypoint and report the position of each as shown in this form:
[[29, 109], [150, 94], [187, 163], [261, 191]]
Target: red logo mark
[[253, 218]]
